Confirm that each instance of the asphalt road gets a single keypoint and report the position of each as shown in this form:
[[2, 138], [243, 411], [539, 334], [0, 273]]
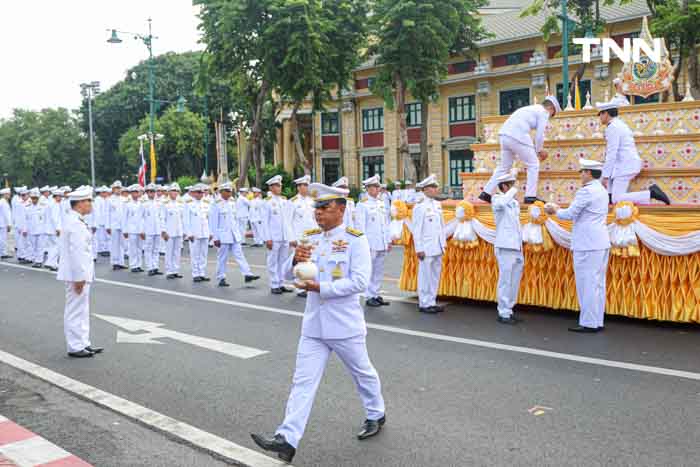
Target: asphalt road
[[455, 397]]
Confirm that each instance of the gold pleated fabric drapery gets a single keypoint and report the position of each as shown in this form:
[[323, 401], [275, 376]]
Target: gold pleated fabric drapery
[[650, 286]]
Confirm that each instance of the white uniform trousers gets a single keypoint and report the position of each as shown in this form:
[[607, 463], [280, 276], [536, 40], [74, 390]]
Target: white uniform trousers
[[618, 186], [256, 227], [234, 250], [591, 268], [102, 240], [151, 252], [275, 263], [510, 270], [510, 150], [429, 270], [3, 241], [76, 318], [312, 357], [173, 253], [51, 242], [45, 244], [162, 247], [375, 282], [116, 251], [198, 256], [135, 251], [243, 227], [20, 244], [35, 249]]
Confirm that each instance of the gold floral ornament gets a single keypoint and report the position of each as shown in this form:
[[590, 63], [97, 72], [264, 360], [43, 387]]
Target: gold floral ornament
[[622, 236], [536, 238], [397, 228], [465, 236]]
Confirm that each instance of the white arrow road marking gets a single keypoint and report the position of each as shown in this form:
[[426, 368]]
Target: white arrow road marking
[[155, 331]]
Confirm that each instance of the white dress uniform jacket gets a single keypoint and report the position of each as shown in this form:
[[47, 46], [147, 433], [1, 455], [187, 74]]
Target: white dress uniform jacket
[[225, 228], [429, 237], [5, 222], [196, 225], [151, 227], [621, 156], [302, 215], [115, 213], [256, 219], [76, 265], [172, 214], [519, 125], [508, 250], [370, 218], [276, 227], [349, 216]]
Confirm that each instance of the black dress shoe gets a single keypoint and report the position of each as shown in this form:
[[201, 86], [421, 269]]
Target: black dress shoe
[[277, 443], [251, 278], [157, 272], [657, 193], [170, 276], [223, 283], [531, 199], [302, 294], [36, 265], [198, 279], [373, 302], [94, 349], [5, 257], [276, 291], [509, 320], [437, 309], [82, 354], [428, 309], [136, 270], [584, 330], [205, 279], [178, 276], [286, 289], [383, 302], [371, 428], [152, 272], [485, 197]]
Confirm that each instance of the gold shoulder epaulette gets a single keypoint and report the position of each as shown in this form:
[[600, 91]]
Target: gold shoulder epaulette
[[354, 232], [294, 198], [268, 198], [313, 232], [283, 197]]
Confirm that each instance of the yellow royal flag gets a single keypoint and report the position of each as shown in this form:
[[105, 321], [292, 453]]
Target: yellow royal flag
[[578, 96], [153, 162]]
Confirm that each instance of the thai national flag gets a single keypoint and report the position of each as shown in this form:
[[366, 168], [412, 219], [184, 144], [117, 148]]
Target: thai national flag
[[142, 168]]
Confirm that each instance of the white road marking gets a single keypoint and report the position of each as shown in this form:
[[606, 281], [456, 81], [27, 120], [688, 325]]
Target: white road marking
[[155, 331], [189, 434], [410, 332], [33, 451]]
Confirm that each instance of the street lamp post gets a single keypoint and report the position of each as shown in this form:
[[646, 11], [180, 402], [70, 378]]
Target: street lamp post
[[88, 91]]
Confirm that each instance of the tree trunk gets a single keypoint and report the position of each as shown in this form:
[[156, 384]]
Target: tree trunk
[[341, 169], [424, 164], [677, 67], [255, 131], [301, 157], [693, 71], [409, 169]]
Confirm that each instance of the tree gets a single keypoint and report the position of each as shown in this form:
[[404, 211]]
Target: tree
[[46, 147], [414, 39], [178, 152]]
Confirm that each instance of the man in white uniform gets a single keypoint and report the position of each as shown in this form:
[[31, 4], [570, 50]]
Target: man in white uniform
[[408, 191], [115, 213], [622, 161], [225, 230], [242, 211], [386, 199], [5, 221], [508, 247], [161, 198], [370, 218], [35, 229], [277, 234], [590, 243], [76, 268], [101, 210], [19, 217], [152, 229], [349, 219], [302, 209], [516, 142], [132, 228], [54, 218], [196, 227], [173, 231], [256, 205], [430, 243], [333, 322]]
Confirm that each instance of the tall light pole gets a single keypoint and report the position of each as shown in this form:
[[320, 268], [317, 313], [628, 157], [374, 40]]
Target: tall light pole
[[88, 91]]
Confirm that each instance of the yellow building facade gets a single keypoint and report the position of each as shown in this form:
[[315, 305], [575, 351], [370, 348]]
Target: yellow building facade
[[511, 69]]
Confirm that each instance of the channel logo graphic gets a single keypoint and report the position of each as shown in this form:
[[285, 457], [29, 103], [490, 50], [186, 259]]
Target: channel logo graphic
[[631, 50]]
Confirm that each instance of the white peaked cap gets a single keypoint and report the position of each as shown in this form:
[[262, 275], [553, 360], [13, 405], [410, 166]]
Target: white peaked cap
[[408, 182], [554, 102], [5, 191], [589, 164], [34, 193], [117, 184], [612, 104], [53, 187], [19, 189], [276, 180], [81, 193], [174, 187], [321, 193], [45, 188], [373, 180], [256, 190], [342, 181], [151, 187], [430, 180], [243, 189], [57, 192], [66, 188], [301, 180], [226, 187]]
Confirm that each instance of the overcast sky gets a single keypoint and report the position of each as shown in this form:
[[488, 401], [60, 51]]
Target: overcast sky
[[49, 47]]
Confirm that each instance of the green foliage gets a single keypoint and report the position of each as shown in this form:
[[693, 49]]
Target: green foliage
[[46, 147], [186, 180], [176, 151], [585, 12], [269, 171]]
